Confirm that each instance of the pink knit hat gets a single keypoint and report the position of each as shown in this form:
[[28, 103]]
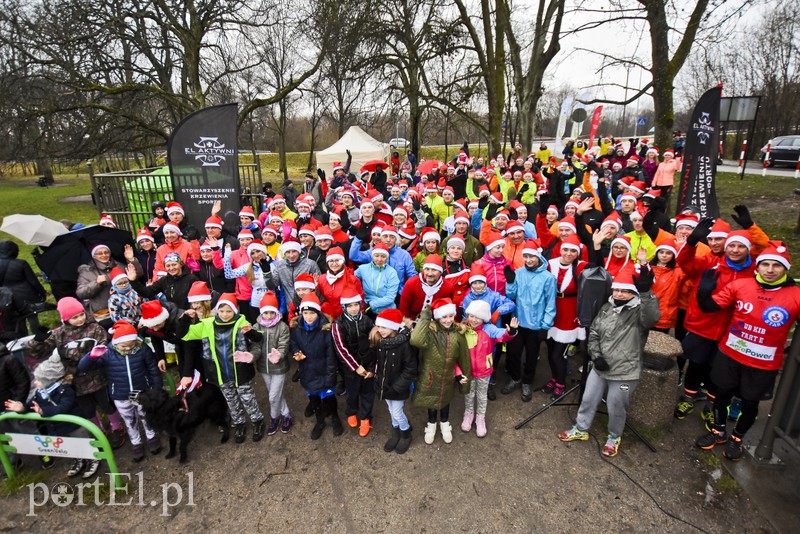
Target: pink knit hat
[[69, 307]]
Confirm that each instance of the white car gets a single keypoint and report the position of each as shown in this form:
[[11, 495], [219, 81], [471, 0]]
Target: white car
[[399, 142]]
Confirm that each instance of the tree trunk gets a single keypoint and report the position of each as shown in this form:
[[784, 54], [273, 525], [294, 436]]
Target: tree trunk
[[662, 90], [282, 139]]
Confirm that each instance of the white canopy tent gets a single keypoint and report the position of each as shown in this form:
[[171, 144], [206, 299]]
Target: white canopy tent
[[362, 146]]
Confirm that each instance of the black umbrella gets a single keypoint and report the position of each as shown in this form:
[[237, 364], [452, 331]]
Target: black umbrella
[[67, 252]]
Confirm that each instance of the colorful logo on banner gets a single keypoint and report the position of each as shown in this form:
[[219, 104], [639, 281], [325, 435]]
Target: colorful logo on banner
[[49, 442]]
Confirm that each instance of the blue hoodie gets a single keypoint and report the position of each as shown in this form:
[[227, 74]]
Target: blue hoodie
[[535, 295]]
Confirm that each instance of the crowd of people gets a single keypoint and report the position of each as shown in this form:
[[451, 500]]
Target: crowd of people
[[406, 286]]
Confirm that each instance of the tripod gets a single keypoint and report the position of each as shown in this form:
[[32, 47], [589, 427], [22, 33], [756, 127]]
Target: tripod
[[581, 385]]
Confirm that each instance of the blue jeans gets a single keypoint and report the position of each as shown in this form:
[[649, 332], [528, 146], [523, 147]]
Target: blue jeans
[[399, 419]]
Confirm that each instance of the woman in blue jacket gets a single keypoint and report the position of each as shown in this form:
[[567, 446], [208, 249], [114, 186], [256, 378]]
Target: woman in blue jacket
[[379, 281]]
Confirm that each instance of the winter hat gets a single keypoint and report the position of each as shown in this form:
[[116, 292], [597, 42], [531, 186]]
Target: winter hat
[[108, 220], [324, 232], [430, 233], [172, 227], [456, 241], [310, 302], [247, 211], [652, 193], [174, 207], [305, 281], [49, 371], [391, 318], [624, 280], [569, 223], [638, 187], [669, 153], [244, 233], [433, 261], [532, 246], [228, 299], [116, 275], [720, 229], [307, 229], [269, 303], [275, 200], [153, 313], [215, 222], [400, 210], [123, 331], [613, 219], [99, 247], [291, 244], [461, 216], [144, 235], [497, 198], [635, 214], [380, 248], [389, 230], [503, 213], [514, 226], [483, 191], [617, 165], [571, 242], [69, 307], [275, 216], [495, 240], [269, 230], [668, 244], [629, 195], [687, 219], [480, 309], [739, 236], [199, 292], [350, 295], [776, 251], [256, 245], [552, 208], [623, 240], [334, 253], [443, 308], [172, 257], [377, 228], [476, 273]]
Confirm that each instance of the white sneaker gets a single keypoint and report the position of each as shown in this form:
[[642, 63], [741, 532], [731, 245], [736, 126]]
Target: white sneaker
[[447, 432], [430, 433], [91, 468]]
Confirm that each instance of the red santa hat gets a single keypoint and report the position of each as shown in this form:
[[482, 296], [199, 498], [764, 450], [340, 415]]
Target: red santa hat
[[244, 233], [573, 202], [256, 245], [337, 166], [571, 242], [144, 235], [391, 318], [205, 245], [687, 219], [377, 228], [291, 244], [624, 280], [199, 292], [669, 153], [552, 208], [476, 273], [483, 191], [275, 200], [269, 303], [448, 190], [720, 229], [623, 240], [275, 215], [215, 222], [569, 223], [400, 210], [461, 216], [380, 248], [174, 207], [334, 253], [307, 229], [304, 281], [430, 187], [775, 251], [652, 193], [323, 232], [108, 220], [350, 295], [442, 308], [739, 236], [514, 226], [613, 219], [123, 331], [116, 275], [153, 313], [247, 211], [497, 198], [269, 230], [616, 165], [668, 244], [628, 195], [430, 234], [228, 299], [495, 240], [310, 302], [171, 227], [433, 261], [532, 246], [389, 230], [638, 187]]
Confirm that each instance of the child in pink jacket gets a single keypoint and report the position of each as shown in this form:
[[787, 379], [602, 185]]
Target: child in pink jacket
[[481, 338]]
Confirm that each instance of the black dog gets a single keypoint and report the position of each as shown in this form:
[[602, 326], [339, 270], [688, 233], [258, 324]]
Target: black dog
[[179, 417]]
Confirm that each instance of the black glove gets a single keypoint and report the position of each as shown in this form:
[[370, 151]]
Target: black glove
[[344, 220], [349, 155], [601, 364], [544, 202], [483, 202], [631, 140], [363, 233], [700, 232], [708, 283], [491, 211], [524, 188], [509, 274], [513, 215], [41, 334], [254, 335], [645, 280], [415, 203], [742, 216], [321, 174]]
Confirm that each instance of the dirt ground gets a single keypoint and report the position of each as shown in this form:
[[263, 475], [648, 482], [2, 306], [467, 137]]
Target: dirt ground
[[510, 481]]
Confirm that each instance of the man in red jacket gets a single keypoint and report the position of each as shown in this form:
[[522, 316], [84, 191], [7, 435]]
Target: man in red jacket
[[423, 289], [750, 354]]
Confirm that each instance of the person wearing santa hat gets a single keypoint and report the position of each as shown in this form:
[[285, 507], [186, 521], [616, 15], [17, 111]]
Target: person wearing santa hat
[[494, 263], [421, 290], [130, 367], [286, 270], [146, 252], [379, 281], [336, 278], [395, 372], [615, 344], [124, 303], [751, 351], [174, 286], [94, 281], [228, 362], [706, 329], [177, 216], [303, 285], [442, 346], [532, 288], [175, 241], [431, 241], [472, 249], [350, 332], [212, 268], [455, 270], [107, 221], [399, 259], [159, 219], [667, 287]]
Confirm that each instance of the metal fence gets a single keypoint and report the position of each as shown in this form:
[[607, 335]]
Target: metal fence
[[128, 195]]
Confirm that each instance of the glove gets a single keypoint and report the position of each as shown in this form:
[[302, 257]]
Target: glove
[[742, 216], [491, 211], [509, 274], [523, 189], [708, 282], [415, 203], [644, 281], [98, 351], [41, 334], [483, 202], [601, 364], [349, 155], [700, 232], [544, 202], [364, 233], [513, 215], [274, 356], [321, 174]]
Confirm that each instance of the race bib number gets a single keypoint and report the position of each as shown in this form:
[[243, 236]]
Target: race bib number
[[750, 349]]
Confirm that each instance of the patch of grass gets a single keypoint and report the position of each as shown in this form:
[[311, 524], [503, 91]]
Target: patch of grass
[[22, 480], [726, 484], [712, 461]]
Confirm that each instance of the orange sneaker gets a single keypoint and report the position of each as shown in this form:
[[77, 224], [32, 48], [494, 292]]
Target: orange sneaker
[[352, 421], [365, 427]]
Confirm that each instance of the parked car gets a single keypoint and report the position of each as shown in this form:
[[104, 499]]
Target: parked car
[[399, 142], [784, 150]]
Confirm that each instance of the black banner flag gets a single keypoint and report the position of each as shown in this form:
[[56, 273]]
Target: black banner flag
[[700, 156], [204, 164]]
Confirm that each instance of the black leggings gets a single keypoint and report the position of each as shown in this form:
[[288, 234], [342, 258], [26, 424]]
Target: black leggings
[[557, 355], [530, 341], [746, 419], [444, 415], [324, 407], [698, 374]]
